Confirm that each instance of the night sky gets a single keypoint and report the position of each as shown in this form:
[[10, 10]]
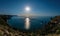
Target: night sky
[[41, 7]]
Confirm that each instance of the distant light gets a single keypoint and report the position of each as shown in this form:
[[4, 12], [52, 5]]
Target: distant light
[[27, 8]]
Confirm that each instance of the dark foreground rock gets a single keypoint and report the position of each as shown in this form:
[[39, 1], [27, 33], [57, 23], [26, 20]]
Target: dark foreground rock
[[53, 27]]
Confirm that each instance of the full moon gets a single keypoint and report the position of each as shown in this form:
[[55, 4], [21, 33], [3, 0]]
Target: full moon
[[27, 8]]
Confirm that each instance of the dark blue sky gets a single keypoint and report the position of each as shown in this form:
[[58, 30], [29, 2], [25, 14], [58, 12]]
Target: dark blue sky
[[42, 7]]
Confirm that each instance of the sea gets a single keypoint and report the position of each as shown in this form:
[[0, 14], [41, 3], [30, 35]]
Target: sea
[[29, 23]]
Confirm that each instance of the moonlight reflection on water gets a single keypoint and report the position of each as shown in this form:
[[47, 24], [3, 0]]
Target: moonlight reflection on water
[[27, 23]]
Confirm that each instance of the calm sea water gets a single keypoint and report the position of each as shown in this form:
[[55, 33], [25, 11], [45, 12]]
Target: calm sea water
[[30, 23]]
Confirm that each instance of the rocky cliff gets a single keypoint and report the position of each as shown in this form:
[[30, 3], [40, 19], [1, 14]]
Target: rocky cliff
[[53, 27]]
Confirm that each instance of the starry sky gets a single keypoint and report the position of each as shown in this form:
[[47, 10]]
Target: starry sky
[[41, 7]]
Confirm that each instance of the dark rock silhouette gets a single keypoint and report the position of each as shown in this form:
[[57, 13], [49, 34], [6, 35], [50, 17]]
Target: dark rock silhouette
[[53, 27], [5, 17]]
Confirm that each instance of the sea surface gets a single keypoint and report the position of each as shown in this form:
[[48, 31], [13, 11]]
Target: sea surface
[[29, 23]]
